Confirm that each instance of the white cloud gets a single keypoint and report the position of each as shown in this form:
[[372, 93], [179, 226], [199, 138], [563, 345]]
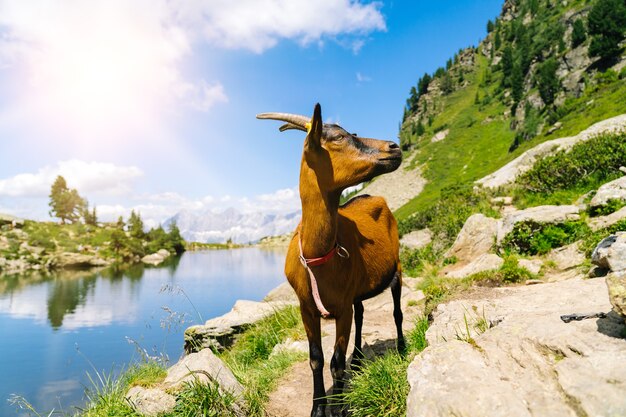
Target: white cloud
[[362, 78], [86, 177], [257, 25]]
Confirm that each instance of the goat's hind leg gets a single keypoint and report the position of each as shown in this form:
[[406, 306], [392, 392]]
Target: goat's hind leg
[[338, 362], [396, 293], [357, 354]]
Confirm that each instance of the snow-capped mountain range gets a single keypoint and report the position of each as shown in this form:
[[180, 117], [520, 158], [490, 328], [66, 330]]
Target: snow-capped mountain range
[[217, 227]]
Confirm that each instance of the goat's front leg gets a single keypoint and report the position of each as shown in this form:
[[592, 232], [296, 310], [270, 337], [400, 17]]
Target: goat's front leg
[[312, 326], [343, 325], [357, 355], [396, 293]]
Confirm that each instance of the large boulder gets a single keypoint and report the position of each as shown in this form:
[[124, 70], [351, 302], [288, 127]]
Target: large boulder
[[200, 367], [476, 238], [614, 190], [616, 282], [509, 173], [610, 253], [537, 215], [219, 332], [566, 257], [520, 358], [417, 239], [11, 221], [485, 262], [156, 258]]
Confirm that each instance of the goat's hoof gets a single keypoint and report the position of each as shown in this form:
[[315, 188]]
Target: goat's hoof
[[318, 411], [337, 411]]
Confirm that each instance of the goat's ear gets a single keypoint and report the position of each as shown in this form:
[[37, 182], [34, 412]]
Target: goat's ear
[[314, 136]]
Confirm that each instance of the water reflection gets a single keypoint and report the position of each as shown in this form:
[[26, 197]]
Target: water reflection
[[54, 326]]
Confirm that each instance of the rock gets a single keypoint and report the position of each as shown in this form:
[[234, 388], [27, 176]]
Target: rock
[[531, 265], [597, 272], [12, 221], [291, 345], [533, 282], [538, 215], [71, 260], [202, 366], [554, 128], [527, 362], [602, 222], [509, 173], [616, 282], [476, 238], [150, 401], [610, 253], [439, 136], [614, 190], [156, 258], [282, 293], [503, 201], [219, 333], [485, 262], [567, 257], [417, 239]]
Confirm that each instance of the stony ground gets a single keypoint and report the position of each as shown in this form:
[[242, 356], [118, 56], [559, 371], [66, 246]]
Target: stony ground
[[524, 361], [293, 396]]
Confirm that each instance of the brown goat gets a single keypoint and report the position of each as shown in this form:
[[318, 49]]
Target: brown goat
[[362, 232]]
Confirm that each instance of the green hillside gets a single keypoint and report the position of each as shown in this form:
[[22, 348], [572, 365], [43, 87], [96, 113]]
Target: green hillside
[[533, 78]]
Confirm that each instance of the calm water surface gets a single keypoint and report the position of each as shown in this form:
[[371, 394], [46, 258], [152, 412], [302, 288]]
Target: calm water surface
[[55, 329]]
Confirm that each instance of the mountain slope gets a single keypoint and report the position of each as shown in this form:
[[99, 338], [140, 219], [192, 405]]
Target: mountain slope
[[527, 82]]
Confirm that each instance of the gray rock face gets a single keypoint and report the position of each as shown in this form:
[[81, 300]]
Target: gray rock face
[[150, 401], [602, 222], [476, 238], [616, 282], [219, 332], [485, 262], [527, 362], [509, 173], [417, 239], [539, 215], [610, 253], [614, 190], [567, 257]]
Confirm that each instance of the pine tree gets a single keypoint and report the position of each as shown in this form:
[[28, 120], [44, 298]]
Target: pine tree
[[446, 84], [507, 65], [579, 34], [135, 225], [547, 81], [607, 24], [175, 239], [490, 26], [65, 203]]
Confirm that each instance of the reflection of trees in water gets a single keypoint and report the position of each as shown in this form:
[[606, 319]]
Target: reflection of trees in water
[[11, 283], [66, 295]]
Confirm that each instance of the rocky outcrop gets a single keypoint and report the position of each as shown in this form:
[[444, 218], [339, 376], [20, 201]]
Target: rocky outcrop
[[610, 255], [520, 358], [219, 332], [613, 190], [201, 367], [537, 215], [11, 221], [72, 260], [567, 257], [417, 239], [439, 136], [531, 265], [156, 258], [485, 262], [476, 238], [602, 222], [509, 173]]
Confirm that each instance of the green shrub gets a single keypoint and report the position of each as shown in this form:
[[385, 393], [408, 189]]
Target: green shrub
[[537, 239], [413, 260], [592, 162], [611, 206], [511, 272]]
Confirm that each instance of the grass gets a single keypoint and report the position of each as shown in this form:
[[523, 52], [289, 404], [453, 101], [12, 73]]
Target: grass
[[380, 387], [251, 359]]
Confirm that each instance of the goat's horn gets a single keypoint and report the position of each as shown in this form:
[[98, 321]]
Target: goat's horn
[[293, 119], [288, 126]]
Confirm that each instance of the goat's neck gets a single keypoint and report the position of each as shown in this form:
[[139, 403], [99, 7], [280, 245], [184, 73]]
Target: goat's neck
[[319, 215]]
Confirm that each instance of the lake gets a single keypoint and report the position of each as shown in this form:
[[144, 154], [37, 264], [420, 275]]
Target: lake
[[56, 328]]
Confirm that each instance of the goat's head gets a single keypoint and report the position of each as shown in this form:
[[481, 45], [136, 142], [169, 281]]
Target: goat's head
[[338, 158]]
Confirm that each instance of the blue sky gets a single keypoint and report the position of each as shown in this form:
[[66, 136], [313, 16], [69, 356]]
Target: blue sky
[[150, 104]]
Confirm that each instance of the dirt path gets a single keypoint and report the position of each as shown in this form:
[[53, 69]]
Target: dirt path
[[293, 395]]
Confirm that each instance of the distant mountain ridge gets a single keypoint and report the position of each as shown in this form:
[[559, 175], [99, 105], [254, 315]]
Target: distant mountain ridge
[[218, 227]]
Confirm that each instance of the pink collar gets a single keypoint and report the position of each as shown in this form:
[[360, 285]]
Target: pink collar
[[309, 262]]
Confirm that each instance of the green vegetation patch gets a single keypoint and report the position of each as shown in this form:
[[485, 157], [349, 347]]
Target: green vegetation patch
[[537, 239], [251, 360], [380, 387]]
